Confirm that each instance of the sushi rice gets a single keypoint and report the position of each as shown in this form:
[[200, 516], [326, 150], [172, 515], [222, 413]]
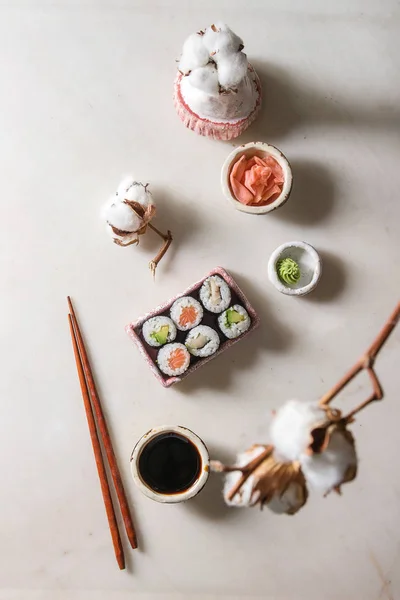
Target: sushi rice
[[215, 294], [202, 341], [158, 331], [186, 312], [234, 321], [173, 359]]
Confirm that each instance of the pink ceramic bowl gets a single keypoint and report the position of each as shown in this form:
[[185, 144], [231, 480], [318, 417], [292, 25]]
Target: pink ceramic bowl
[[216, 129]]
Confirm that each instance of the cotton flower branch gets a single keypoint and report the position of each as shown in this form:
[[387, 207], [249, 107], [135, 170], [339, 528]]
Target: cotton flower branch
[[128, 215], [311, 446]]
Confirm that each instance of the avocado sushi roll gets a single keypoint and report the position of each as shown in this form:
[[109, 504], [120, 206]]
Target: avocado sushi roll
[[215, 294], [158, 331], [186, 313], [202, 341], [173, 359], [234, 321]]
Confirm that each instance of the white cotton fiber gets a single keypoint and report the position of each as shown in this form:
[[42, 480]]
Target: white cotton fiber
[[205, 79], [245, 497], [138, 193], [129, 189], [327, 470], [290, 428], [232, 69], [117, 213], [121, 216], [124, 186], [194, 54], [220, 39]]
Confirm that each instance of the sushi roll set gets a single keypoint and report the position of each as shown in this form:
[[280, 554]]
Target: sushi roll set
[[194, 327]]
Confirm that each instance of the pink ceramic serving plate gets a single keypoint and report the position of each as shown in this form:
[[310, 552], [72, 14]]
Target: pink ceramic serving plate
[[134, 329]]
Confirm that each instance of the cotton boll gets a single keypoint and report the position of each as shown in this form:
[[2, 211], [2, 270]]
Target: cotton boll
[[205, 79], [219, 38], [132, 190], [128, 212], [138, 192], [291, 427], [194, 54], [224, 106], [128, 215], [124, 185], [232, 68], [121, 216], [337, 464], [279, 486]]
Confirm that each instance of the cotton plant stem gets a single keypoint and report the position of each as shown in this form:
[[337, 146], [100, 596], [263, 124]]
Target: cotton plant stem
[[384, 333], [376, 395], [325, 400], [245, 470], [365, 362], [248, 469], [167, 242], [218, 467], [164, 236]]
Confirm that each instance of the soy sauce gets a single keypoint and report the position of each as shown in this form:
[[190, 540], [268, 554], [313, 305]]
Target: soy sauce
[[169, 464]]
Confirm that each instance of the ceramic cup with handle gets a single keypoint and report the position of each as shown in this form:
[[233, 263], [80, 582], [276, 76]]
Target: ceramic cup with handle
[[170, 464]]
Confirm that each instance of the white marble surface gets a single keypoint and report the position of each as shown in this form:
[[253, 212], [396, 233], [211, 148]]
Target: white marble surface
[[85, 97]]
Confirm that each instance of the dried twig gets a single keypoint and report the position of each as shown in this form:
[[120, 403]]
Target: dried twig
[[167, 242], [365, 362], [246, 470]]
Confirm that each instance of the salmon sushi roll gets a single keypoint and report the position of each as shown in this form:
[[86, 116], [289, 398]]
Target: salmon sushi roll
[[173, 359], [186, 313]]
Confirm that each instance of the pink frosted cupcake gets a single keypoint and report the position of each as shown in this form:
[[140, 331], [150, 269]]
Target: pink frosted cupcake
[[217, 93]]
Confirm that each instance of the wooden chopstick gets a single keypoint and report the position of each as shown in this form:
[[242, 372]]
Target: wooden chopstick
[[112, 521], [103, 429]]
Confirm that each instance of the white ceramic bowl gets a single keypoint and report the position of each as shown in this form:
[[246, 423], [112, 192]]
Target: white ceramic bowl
[[256, 149], [309, 262], [195, 488]]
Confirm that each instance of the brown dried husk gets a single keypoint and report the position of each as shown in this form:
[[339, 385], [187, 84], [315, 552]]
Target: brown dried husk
[[145, 214], [271, 479], [321, 433], [274, 478]]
